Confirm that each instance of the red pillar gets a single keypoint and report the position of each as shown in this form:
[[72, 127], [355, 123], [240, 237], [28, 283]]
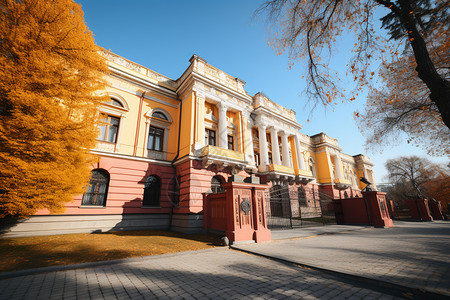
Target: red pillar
[[376, 202], [246, 219]]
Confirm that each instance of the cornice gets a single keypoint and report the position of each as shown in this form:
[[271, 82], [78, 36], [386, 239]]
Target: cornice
[[129, 157], [194, 76], [145, 84]]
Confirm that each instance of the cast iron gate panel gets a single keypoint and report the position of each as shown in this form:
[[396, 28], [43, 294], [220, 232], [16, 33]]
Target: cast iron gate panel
[[289, 209]]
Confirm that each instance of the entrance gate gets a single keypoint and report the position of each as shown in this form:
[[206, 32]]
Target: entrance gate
[[288, 209]]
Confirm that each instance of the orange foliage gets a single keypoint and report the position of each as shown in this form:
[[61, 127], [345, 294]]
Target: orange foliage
[[50, 69], [403, 104], [439, 189]]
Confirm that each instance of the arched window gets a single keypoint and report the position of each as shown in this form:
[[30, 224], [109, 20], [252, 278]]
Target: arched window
[[216, 185], [114, 102], [159, 115], [158, 122], [98, 188], [301, 196], [312, 167], [152, 191]]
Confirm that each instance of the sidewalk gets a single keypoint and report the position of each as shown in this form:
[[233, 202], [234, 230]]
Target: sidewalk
[[347, 262], [411, 254], [218, 273]]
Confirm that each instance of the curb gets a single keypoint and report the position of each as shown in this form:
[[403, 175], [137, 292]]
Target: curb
[[402, 290], [12, 274]]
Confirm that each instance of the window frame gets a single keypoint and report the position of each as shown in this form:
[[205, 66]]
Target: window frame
[[96, 183], [232, 142], [216, 185], [154, 120], [105, 134], [155, 136], [210, 134]]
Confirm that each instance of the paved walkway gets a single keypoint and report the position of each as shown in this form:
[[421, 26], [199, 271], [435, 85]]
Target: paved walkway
[[212, 274], [412, 254]]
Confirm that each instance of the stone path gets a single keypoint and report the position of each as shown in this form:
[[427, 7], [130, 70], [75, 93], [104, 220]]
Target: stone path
[[212, 274], [411, 254]]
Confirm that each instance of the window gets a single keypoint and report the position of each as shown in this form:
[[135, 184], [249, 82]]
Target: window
[[109, 129], [159, 115], [270, 158], [210, 137], [216, 185], [230, 142], [155, 139], [257, 160], [114, 102], [152, 191], [97, 189]]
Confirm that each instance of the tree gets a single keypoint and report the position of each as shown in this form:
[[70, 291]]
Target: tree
[[50, 70], [411, 175], [439, 189], [402, 104], [309, 28]]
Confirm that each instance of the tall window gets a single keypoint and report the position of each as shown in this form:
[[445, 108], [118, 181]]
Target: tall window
[[257, 159], [155, 139], [230, 142], [97, 189], [152, 191], [210, 137], [216, 185], [109, 129]]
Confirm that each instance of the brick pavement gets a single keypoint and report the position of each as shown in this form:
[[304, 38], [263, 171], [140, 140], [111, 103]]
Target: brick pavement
[[411, 254], [212, 274]]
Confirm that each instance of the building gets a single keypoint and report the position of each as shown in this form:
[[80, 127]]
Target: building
[[166, 143]]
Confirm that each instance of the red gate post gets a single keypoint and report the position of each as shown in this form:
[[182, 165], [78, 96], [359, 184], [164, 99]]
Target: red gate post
[[262, 233], [244, 208], [379, 215]]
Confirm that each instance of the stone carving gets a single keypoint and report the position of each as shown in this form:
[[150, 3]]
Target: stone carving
[[246, 206]]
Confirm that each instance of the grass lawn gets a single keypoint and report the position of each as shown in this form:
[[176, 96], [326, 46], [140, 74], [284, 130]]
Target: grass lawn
[[44, 251]]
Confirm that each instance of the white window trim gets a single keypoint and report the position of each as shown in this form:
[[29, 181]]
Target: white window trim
[[118, 114], [163, 124]]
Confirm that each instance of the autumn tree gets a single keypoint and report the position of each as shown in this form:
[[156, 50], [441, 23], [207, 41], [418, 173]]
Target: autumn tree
[[402, 104], [50, 70], [309, 29], [439, 189], [412, 176]]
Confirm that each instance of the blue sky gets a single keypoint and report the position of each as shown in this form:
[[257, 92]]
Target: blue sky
[[163, 35]]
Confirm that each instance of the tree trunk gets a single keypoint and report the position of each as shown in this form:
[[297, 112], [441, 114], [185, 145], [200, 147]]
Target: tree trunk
[[438, 86]]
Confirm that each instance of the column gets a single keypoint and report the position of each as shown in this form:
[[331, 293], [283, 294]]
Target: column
[[263, 152], [247, 125], [337, 163], [222, 126], [285, 146], [275, 146], [300, 158], [199, 134]]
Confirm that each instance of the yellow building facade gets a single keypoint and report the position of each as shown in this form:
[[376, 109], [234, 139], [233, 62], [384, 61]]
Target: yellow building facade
[[164, 144]]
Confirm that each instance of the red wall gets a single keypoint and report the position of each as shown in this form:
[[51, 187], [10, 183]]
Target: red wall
[[126, 188]]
